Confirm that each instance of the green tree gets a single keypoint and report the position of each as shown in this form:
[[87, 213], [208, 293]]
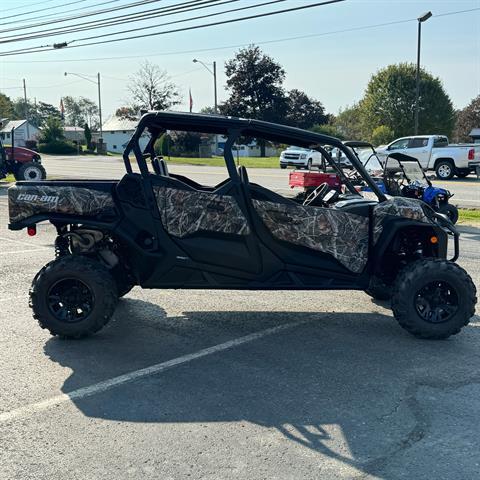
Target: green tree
[[79, 111], [349, 123], [255, 83], [6, 106], [303, 111], [467, 119], [150, 88], [126, 112], [88, 136], [37, 112], [328, 129], [52, 131], [382, 135], [390, 100]]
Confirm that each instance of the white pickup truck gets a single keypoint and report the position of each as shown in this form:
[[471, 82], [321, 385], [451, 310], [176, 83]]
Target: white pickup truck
[[435, 153]]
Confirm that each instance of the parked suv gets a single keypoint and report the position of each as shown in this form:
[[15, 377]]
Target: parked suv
[[300, 158]]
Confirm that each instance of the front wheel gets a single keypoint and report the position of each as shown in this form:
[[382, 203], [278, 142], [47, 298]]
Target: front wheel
[[283, 167], [73, 296], [433, 298], [451, 211], [444, 170], [31, 171]]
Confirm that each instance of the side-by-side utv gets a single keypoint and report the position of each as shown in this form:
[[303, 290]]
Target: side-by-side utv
[[157, 229]]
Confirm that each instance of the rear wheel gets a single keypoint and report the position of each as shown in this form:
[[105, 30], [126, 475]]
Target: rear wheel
[[31, 171], [444, 170], [433, 298], [451, 211], [73, 296]]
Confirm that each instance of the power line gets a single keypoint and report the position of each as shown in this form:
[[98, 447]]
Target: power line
[[87, 13], [195, 27], [28, 5], [42, 10], [135, 17], [56, 14], [198, 17], [229, 47]]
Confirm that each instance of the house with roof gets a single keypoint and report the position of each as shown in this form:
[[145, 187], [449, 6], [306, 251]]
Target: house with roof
[[475, 135], [117, 132], [23, 131]]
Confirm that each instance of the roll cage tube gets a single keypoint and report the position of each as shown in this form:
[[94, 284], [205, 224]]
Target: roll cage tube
[[363, 172], [334, 165]]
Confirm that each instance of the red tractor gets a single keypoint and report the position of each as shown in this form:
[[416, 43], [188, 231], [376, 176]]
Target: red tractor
[[23, 163]]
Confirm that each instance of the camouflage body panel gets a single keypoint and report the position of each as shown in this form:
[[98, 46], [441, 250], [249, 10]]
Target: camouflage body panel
[[396, 207], [185, 212], [340, 234], [25, 201]]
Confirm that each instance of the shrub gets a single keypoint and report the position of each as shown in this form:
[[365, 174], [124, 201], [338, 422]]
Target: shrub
[[382, 135], [58, 147], [31, 144]]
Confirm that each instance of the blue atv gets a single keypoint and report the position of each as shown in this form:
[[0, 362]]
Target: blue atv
[[402, 175]]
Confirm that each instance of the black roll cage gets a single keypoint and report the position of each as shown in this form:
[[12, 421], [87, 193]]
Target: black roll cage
[[157, 123]]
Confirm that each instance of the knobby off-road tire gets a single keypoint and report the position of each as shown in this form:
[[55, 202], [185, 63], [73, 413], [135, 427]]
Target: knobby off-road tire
[[73, 296], [31, 171], [426, 283], [451, 211]]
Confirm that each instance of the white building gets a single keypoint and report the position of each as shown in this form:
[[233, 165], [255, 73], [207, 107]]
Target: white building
[[250, 150], [74, 134], [117, 133], [23, 131]]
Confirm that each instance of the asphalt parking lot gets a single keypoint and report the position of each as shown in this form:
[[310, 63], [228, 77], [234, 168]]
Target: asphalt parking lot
[[233, 385]]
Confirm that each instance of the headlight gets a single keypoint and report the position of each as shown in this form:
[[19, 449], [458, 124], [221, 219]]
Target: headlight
[[303, 156], [282, 155]]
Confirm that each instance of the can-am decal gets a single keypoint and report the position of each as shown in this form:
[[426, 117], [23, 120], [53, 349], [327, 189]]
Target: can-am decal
[[32, 197]]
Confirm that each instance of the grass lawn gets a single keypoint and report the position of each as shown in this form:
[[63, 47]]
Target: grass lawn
[[249, 162], [467, 216]]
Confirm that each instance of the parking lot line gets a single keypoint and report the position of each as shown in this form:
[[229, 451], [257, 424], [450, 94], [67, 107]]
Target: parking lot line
[[32, 408]]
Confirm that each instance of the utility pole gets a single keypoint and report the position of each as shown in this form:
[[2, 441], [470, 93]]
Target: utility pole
[[100, 107], [215, 85], [26, 108]]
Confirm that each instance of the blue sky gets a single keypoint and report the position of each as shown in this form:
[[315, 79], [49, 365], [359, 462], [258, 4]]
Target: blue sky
[[333, 68]]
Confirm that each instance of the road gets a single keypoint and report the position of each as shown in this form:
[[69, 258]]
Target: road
[[233, 385], [466, 191]]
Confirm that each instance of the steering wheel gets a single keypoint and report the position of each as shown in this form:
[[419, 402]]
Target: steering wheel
[[319, 193]]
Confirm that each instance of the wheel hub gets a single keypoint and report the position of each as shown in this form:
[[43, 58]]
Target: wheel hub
[[32, 173], [70, 300], [436, 302], [444, 171]]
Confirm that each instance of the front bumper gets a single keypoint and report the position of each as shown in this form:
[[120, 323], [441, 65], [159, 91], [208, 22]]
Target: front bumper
[[293, 163]]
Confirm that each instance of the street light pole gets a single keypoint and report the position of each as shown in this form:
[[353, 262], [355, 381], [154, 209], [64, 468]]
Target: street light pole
[[99, 96], [214, 73], [420, 19]]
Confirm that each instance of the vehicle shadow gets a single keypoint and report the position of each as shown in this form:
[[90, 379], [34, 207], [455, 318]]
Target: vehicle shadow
[[342, 375]]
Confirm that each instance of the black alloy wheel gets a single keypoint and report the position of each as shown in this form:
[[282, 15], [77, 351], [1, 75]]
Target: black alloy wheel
[[70, 300], [436, 302]]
